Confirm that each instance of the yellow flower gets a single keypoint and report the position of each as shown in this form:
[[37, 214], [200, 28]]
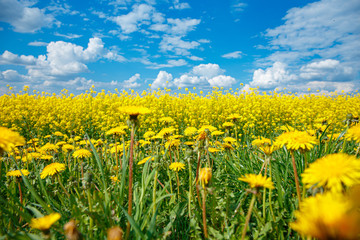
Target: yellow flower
[[328, 216], [333, 172], [17, 173], [134, 110], [9, 139], [213, 150], [205, 176], [233, 116], [228, 124], [144, 160], [189, 131], [118, 131], [52, 169], [67, 147], [149, 134], [257, 181], [177, 166], [296, 140], [166, 120], [353, 133], [217, 133], [45, 223], [82, 153], [114, 179], [49, 147], [59, 134], [165, 132], [229, 140]]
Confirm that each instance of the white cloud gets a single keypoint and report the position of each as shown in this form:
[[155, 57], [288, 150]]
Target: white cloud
[[162, 80], [169, 64], [204, 75], [8, 58], [132, 82], [11, 76], [140, 14], [222, 81], [38, 44], [328, 28], [195, 58], [24, 18], [177, 45], [180, 6], [271, 77], [236, 54], [209, 70], [182, 26], [68, 36], [239, 7]]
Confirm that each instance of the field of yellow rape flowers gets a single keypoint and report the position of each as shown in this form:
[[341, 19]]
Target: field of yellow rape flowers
[[166, 165]]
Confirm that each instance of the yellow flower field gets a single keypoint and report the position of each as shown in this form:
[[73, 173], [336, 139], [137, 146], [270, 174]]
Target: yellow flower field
[[167, 165]]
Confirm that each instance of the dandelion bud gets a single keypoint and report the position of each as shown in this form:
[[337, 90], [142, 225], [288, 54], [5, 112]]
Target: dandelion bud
[[205, 176], [115, 233], [71, 231]]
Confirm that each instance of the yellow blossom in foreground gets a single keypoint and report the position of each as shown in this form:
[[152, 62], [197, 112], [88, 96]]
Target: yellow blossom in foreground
[[205, 176], [17, 173], [296, 140], [45, 223], [353, 133], [177, 166], [9, 139], [257, 181], [189, 131], [52, 169], [333, 172], [328, 216], [82, 153]]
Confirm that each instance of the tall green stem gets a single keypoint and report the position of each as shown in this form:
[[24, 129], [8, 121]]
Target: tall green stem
[[130, 179], [296, 177], [247, 220]]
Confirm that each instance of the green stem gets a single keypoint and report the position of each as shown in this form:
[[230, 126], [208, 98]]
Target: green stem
[[190, 188], [270, 202], [62, 186], [90, 210], [247, 220], [296, 177], [154, 191], [130, 179]]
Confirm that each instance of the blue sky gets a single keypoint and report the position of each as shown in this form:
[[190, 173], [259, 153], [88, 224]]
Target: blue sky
[[52, 45]]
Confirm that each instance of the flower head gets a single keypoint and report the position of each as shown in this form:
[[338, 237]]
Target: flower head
[[177, 166], [145, 160], [205, 176], [9, 139], [134, 110], [189, 131], [118, 131], [333, 172], [296, 140], [328, 216], [48, 147], [353, 133], [45, 223], [52, 169], [257, 181], [82, 153], [17, 173]]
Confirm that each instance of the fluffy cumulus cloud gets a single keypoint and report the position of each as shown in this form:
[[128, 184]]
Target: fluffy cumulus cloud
[[62, 59], [326, 32], [328, 75], [132, 82], [203, 75], [23, 17], [162, 80]]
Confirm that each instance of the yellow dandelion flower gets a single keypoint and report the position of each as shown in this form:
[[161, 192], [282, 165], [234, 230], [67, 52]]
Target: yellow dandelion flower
[[82, 153], [118, 131], [134, 110], [67, 148], [172, 143], [165, 132], [229, 140], [48, 147], [60, 143], [333, 172], [353, 133], [207, 127], [166, 120], [228, 124], [217, 133], [52, 169], [17, 173], [46, 157], [114, 179], [296, 140], [189, 131], [177, 166], [149, 134], [9, 139], [213, 150], [45, 223], [257, 181], [328, 216], [145, 160], [58, 134], [205, 176], [233, 116]]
